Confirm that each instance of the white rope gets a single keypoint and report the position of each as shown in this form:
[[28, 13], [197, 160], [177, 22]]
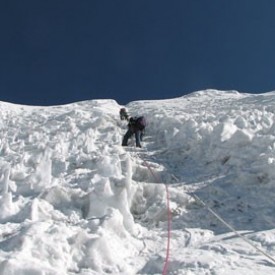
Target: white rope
[[231, 227], [227, 224]]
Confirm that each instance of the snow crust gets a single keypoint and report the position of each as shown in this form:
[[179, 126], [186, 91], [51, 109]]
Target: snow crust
[[74, 201]]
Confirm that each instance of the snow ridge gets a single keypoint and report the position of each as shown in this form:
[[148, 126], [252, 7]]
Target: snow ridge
[[73, 201]]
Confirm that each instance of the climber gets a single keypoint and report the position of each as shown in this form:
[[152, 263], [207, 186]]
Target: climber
[[136, 126]]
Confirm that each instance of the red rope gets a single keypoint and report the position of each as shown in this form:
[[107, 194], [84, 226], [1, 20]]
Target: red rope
[[169, 215], [169, 219]]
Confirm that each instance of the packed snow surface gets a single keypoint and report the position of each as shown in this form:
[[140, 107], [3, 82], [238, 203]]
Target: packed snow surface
[[74, 201]]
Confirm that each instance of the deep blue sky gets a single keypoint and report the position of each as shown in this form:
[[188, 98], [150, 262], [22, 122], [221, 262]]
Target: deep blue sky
[[60, 51]]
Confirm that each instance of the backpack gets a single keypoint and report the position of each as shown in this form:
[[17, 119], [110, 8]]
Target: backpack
[[141, 123]]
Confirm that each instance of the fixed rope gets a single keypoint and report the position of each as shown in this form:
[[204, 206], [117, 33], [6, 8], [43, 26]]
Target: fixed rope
[[196, 198], [231, 227], [169, 217]]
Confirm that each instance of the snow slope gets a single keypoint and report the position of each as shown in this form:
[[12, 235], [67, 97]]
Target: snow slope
[[73, 201]]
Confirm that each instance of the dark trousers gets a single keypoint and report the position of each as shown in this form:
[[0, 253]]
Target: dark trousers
[[129, 134]]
